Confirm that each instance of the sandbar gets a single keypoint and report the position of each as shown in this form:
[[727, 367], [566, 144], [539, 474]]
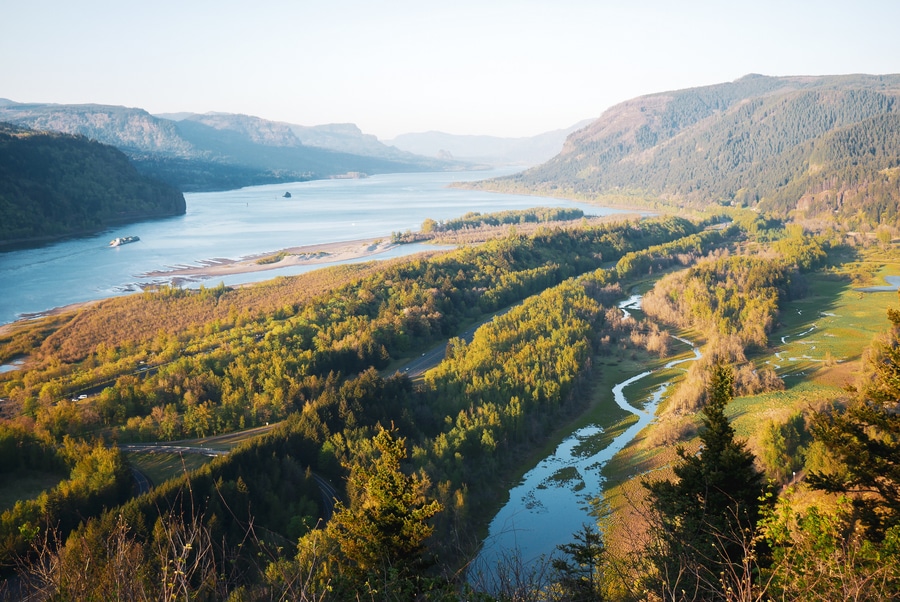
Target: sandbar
[[304, 255]]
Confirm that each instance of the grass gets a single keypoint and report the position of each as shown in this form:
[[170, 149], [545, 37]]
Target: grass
[[817, 349], [160, 467], [25, 485]]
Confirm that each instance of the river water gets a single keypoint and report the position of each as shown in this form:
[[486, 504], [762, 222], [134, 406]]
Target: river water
[[240, 223], [554, 499]]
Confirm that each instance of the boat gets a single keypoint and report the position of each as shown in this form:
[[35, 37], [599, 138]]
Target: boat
[[123, 240]]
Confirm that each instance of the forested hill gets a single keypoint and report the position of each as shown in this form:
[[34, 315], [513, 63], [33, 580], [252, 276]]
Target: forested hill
[[218, 151], [824, 147], [55, 185]]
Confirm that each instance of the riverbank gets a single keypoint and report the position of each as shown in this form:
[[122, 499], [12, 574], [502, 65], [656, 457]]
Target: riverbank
[[293, 256]]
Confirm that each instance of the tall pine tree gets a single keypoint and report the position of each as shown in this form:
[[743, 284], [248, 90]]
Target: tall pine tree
[[703, 522]]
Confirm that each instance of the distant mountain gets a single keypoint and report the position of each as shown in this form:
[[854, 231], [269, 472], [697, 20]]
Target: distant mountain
[[818, 148], [55, 185], [217, 150], [492, 150]]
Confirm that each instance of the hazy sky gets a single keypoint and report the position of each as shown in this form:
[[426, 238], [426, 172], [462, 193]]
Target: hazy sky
[[499, 67]]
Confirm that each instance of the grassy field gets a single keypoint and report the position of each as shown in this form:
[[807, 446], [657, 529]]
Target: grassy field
[[160, 467], [817, 349], [25, 485]]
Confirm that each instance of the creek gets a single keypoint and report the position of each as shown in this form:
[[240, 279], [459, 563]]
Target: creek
[[556, 497]]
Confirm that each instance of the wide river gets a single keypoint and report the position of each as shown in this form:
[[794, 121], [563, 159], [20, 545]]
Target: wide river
[[240, 223]]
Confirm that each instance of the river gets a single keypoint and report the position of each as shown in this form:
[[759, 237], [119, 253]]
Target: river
[[554, 499], [240, 223]]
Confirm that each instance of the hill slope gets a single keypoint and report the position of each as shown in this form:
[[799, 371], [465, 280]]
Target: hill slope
[[216, 150], [54, 185], [786, 144]]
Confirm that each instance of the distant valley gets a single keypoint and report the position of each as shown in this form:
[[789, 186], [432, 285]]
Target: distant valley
[[493, 150], [200, 152], [745, 323], [218, 151]]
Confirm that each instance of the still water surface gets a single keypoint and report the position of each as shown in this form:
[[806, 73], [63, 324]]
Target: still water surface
[[239, 223]]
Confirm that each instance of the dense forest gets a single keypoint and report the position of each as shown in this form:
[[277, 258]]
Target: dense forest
[[824, 150], [56, 185]]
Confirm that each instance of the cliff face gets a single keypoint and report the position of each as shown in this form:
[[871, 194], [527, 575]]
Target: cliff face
[[56, 185], [221, 150]]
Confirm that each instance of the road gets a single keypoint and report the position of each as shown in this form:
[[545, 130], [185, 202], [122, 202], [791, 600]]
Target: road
[[329, 496], [142, 484], [416, 367], [168, 448]]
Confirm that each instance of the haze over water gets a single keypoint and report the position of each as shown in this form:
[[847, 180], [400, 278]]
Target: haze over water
[[244, 222]]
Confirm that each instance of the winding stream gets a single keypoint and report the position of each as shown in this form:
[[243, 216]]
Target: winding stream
[[553, 499]]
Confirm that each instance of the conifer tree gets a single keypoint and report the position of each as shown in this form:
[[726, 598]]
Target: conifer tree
[[865, 438], [702, 523], [386, 527], [578, 571]]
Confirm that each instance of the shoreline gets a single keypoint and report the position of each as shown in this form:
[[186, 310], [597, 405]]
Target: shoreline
[[303, 255]]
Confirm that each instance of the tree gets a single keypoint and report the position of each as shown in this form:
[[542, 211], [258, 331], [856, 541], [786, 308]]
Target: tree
[[864, 436], [578, 571], [386, 527], [702, 523]]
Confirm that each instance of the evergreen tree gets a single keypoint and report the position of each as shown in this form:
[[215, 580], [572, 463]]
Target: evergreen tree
[[578, 571], [865, 437], [385, 529], [703, 522]]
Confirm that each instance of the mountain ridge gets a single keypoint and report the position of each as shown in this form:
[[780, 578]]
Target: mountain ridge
[[743, 143], [524, 150], [215, 150]]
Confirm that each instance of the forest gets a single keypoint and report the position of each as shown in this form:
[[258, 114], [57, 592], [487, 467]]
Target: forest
[[56, 185], [418, 463], [820, 151]]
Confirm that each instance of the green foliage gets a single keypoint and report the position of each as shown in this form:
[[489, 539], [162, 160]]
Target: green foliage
[[475, 219], [387, 523], [54, 185], [314, 359], [579, 570], [822, 148], [817, 555], [864, 437], [700, 522], [98, 479], [730, 296], [783, 447]]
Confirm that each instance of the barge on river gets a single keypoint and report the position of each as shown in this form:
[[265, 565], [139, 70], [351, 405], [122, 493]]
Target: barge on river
[[123, 240]]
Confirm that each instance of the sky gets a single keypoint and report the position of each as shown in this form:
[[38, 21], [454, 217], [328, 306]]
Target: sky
[[490, 67]]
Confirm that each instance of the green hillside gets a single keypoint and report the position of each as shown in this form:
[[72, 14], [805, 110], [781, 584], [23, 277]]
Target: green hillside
[[815, 145], [56, 185]]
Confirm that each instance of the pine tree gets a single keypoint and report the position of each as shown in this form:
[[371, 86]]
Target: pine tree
[[865, 438], [578, 572], [703, 522], [388, 523]]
